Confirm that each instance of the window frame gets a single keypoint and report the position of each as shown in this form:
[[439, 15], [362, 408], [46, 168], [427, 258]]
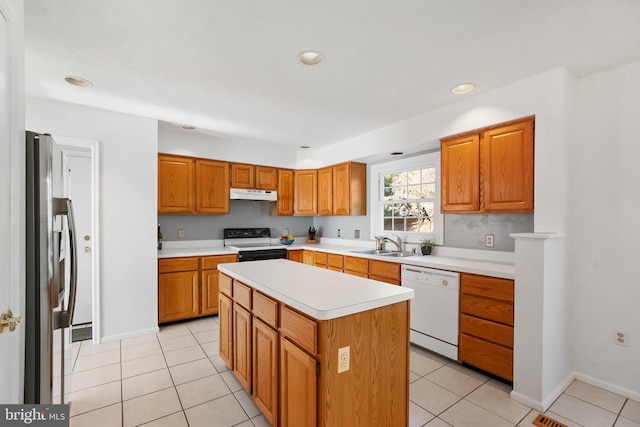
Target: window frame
[[376, 187]]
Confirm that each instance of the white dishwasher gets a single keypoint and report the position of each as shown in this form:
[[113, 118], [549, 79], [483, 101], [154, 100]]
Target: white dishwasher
[[434, 308]]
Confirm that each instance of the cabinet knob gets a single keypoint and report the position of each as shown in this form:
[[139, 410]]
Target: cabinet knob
[[445, 283]]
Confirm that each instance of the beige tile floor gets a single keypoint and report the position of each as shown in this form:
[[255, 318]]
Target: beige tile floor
[[176, 378]]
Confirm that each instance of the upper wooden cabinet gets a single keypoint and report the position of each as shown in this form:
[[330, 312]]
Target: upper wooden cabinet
[[285, 191], [175, 184], [306, 192], [243, 176], [212, 187], [266, 178], [325, 191], [489, 170], [187, 185], [342, 189], [350, 189]]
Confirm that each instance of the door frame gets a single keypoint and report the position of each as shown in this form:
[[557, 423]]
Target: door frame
[[92, 147]]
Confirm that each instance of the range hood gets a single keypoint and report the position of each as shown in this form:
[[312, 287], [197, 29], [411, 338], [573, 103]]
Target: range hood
[[244, 194]]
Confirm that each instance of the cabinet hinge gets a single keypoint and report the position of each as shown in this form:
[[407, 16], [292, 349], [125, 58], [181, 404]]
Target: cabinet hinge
[[317, 369]]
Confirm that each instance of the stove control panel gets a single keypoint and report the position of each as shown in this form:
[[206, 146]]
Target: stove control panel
[[246, 233]]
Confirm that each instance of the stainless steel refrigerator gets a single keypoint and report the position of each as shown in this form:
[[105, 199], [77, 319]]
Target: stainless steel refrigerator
[[51, 275]]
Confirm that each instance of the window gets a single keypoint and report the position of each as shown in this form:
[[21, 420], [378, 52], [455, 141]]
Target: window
[[405, 197]]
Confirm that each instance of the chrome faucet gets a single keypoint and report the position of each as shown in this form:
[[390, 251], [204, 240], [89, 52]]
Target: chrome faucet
[[381, 240]]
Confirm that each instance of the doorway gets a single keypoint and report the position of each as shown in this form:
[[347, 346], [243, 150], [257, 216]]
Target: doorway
[[80, 176]]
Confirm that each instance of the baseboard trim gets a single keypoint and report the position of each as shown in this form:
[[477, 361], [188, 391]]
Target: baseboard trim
[[133, 334], [547, 401], [622, 391]]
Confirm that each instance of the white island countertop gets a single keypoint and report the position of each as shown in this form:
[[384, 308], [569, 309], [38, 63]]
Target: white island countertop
[[319, 293]]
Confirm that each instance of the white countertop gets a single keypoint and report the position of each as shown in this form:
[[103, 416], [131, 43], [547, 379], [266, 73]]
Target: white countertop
[[319, 293], [462, 265]]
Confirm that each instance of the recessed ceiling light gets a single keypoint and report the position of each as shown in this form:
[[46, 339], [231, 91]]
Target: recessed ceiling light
[[305, 147], [78, 81], [397, 153], [463, 88], [310, 57], [187, 127]]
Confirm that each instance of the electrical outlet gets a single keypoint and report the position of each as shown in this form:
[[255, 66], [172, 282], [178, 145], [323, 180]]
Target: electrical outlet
[[180, 233], [621, 338], [488, 240], [356, 234], [286, 231], [343, 359], [339, 232]]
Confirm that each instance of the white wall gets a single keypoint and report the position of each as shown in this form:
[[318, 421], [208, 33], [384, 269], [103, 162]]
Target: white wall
[[128, 208], [604, 230], [173, 140]]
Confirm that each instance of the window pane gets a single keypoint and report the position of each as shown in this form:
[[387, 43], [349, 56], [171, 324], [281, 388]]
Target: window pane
[[429, 191], [414, 192], [389, 193], [413, 177], [429, 175], [388, 224]]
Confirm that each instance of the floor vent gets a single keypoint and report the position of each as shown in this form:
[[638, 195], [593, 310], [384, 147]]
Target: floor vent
[[544, 421]]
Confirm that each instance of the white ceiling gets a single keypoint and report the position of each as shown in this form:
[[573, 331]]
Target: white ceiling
[[229, 67]]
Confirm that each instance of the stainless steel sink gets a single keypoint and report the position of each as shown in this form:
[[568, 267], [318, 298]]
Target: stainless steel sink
[[373, 252], [399, 254]]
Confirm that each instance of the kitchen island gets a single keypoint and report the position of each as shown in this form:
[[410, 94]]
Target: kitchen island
[[316, 347]]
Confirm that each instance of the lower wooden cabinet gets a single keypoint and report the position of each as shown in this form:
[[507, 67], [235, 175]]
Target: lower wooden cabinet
[[225, 318], [295, 255], [265, 370], [298, 386], [188, 286], [486, 324], [307, 257], [242, 346], [178, 296], [384, 271], [290, 361]]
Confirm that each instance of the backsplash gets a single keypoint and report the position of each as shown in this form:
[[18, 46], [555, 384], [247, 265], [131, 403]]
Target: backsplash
[[468, 230], [243, 213]]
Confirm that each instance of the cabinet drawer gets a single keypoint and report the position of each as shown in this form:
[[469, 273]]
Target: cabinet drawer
[[487, 356], [488, 309], [356, 265], [170, 265], [211, 262], [242, 294], [357, 273], [266, 309], [485, 329], [299, 329], [389, 270], [320, 259], [225, 283], [334, 261], [490, 287]]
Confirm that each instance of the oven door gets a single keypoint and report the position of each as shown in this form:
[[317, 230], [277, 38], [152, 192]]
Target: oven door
[[262, 254]]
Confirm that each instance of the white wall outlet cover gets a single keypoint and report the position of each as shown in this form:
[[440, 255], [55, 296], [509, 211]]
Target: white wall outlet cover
[[343, 359]]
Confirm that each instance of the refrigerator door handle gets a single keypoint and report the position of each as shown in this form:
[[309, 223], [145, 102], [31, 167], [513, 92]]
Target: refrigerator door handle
[[64, 318]]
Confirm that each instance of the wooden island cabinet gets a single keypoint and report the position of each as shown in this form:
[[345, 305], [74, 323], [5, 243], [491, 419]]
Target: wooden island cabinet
[[291, 363]]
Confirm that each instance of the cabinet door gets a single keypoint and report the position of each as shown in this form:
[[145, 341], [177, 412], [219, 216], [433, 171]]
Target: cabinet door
[[225, 318], [265, 370], [212, 184], [307, 257], [175, 184], [325, 191], [388, 272], [460, 174], [209, 282], [266, 178], [306, 192], [506, 168], [242, 176], [178, 296], [295, 255], [242, 346], [298, 387], [320, 259], [285, 191]]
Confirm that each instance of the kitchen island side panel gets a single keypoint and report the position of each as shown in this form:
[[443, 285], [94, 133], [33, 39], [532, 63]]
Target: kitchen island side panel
[[375, 389]]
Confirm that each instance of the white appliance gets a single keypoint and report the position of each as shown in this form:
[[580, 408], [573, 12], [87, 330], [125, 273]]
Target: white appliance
[[50, 295], [434, 309], [244, 194]]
